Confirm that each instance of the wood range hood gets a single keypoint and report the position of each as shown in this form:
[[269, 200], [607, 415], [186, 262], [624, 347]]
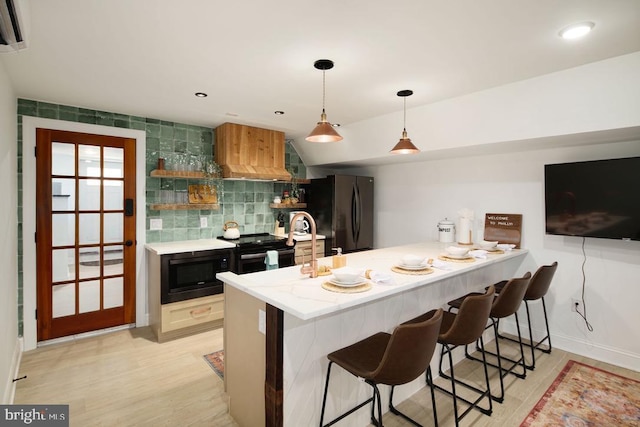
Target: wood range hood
[[250, 152]]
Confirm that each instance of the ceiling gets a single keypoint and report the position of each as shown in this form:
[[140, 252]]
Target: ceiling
[[149, 57]]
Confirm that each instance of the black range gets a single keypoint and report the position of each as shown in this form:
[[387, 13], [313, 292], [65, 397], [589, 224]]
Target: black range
[[251, 250]]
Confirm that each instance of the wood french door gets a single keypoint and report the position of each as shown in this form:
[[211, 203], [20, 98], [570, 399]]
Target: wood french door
[[85, 232]]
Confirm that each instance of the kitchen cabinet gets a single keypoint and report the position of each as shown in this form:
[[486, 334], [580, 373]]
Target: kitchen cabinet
[[181, 206], [303, 250], [182, 318]]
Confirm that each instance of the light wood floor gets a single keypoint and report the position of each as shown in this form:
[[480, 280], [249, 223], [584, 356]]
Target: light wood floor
[[125, 378]]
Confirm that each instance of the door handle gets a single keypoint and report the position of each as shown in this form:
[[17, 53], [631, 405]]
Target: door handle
[[128, 243]]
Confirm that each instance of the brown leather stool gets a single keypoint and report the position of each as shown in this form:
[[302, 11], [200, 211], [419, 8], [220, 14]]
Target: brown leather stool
[[504, 305], [538, 287], [463, 328], [391, 359]]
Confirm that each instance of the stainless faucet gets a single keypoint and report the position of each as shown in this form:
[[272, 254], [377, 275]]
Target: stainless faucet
[[312, 268]]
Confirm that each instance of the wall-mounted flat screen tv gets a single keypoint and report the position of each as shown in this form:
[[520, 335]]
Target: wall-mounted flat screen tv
[[594, 199]]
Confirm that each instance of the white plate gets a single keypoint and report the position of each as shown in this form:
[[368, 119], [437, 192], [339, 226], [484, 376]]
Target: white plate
[[466, 256], [413, 267], [347, 285]]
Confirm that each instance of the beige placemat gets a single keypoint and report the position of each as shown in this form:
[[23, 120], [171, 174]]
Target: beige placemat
[[491, 252], [425, 270], [346, 290], [446, 258]]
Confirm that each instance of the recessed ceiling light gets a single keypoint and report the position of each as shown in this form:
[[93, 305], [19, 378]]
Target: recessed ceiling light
[[575, 31], [278, 113], [335, 125], [201, 94]]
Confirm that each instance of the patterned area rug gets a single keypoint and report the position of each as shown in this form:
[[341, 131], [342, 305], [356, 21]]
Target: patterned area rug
[[586, 396], [216, 361]]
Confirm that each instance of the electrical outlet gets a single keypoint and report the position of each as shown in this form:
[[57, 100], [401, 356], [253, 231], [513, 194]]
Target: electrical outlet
[[262, 322], [576, 304], [155, 224], [203, 222]]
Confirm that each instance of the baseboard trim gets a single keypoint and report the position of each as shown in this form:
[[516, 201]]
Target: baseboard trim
[[603, 353], [10, 387]]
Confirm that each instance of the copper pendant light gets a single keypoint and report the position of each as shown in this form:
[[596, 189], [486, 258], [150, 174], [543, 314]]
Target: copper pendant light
[[323, 132], [405, 146]]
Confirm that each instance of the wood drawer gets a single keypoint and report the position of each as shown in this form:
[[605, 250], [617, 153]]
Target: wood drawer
[[305, 247], [192, 312]]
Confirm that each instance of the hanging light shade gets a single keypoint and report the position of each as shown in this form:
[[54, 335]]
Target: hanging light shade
[[323, 132], [405, 146]]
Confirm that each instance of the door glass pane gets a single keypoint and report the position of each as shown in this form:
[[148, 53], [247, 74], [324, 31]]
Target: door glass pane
[[89, 296], [63, 265], [64, 300], [113, 195], [90, 262], [89, 228], [113, 292], [113, 162], [63, 191], [88, 160], [63, 159], [89, 192], [63, 229], [113, 227], [113, 260]]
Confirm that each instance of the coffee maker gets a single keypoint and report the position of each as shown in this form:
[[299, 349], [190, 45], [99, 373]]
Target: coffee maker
[[301, 227]]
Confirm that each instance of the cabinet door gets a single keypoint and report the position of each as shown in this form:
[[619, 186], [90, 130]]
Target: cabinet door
[[303, 251]]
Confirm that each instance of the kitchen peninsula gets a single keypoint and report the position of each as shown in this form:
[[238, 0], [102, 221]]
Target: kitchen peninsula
[[282, 369]]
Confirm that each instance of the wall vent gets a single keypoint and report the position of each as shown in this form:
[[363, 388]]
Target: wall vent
[[12, 30]]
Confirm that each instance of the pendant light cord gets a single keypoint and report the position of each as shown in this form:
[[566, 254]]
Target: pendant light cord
[[404, 121], [323, 89]]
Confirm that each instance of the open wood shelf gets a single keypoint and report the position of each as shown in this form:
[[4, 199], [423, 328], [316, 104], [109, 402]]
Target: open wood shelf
[[287, 205], [184, 206], [156, 173]]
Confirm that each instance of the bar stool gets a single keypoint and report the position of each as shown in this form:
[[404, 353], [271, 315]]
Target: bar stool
[[504, 305], [538, 287], [463, 328], [391, 359]]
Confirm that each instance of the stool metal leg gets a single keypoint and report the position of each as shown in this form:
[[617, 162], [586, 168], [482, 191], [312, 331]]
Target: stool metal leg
[[352, 410], [532, 344], [482, 393]]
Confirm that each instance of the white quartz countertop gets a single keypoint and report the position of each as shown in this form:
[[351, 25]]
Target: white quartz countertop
[[188, 246], [304, 297]]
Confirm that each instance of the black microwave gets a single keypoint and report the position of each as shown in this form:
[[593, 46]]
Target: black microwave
[[191, 275]]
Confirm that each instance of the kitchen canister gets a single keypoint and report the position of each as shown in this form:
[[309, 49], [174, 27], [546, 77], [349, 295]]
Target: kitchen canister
[[447, 231]]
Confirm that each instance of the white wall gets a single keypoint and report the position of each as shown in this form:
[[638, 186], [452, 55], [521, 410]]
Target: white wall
[[411, 198], [8, 239]]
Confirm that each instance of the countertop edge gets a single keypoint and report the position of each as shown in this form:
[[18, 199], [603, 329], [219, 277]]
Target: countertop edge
[[165, 248]]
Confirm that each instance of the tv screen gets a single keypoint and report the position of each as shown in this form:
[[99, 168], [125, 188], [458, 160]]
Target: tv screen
[[594, 199]]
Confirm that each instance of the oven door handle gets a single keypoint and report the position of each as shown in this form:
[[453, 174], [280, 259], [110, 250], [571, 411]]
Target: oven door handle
[[288, 251], [252, 256]]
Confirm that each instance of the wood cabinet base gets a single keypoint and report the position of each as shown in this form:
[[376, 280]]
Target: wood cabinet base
[[188, 317]]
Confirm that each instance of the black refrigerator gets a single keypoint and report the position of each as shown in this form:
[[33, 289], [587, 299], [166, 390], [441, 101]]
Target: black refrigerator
[[342, 206]]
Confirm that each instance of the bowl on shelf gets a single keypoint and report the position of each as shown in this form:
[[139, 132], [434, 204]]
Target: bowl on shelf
[[456, 251], [347, 274], [484, 244], [411, 260]]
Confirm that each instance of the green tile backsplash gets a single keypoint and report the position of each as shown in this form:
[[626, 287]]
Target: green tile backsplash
[[246, 202]]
